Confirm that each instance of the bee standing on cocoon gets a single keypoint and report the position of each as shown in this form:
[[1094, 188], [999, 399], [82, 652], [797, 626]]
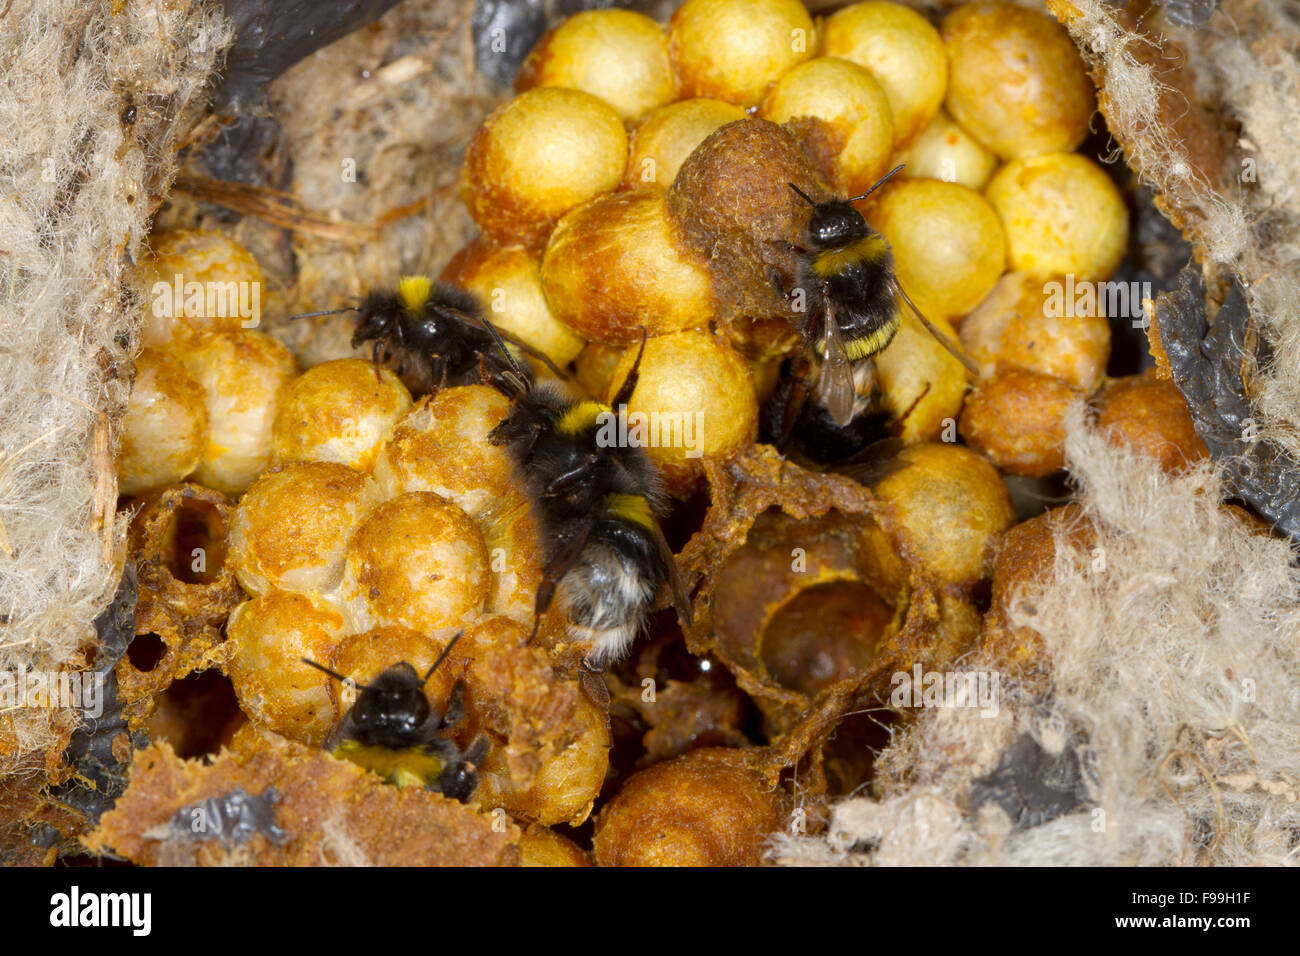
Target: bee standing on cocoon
[[391, 730], [599, 505], [432, 333], [847, 296]]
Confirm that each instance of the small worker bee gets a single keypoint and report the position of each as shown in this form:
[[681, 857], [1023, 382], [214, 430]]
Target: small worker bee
[[846, 271], [599, 505], [391, 730], [432, 333]]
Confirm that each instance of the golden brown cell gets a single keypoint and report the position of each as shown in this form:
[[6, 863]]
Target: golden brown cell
[[595, 365], [948, 508], [948, 244], [268, 637], [902, 51], [165, 429], [341, 411], [616, 265], [515, 555], [508, 281], [694, 399], [292, 526], [922, 380], [243, 374], [1027, 321], [730, 203], [538, 156], [806, 603], [617, 55], [663, 140], [708, 807], [566, 785], [198, 280], [946, 152], [1016, 80], [1017, 420], [733, 50], [1062, 214], [1148, 415], [542, 846], [417, 561], [856, 124], [441, 445]]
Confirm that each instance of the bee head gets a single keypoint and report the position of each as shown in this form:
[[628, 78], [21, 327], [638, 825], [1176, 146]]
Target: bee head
[[836, 223], [394, 703], [379, 316]]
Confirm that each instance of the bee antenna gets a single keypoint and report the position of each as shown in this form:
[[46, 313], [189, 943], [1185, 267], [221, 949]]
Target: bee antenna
[[441, 657], [803, 195], [312, 315], [335, 674], [880, 182], [501, 345]]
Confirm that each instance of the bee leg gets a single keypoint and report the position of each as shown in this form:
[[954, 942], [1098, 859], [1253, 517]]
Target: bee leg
[[592, 679], [629, 384], [778, 283], [555, 570], [787, 247], [459, 778], [897, 423], [375, 357], [455, 706], [437, 374], [564, 482], [800, 373]]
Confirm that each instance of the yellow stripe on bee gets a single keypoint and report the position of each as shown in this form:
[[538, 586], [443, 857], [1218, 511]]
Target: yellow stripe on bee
[[868, 345], [578, 417], [631, 508], [411, 767], [413, 292], [871, 248]]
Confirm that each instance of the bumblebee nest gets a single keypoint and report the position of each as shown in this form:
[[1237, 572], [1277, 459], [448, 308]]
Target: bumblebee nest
[[1167, 708]]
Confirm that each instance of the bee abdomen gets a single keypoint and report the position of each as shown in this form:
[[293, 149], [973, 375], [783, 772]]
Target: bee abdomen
[[605, 597]]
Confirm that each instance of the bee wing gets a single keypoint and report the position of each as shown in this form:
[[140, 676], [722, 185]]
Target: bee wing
[[681, 602], [878, 460], [835, 377], [898, 292], [484, 326]]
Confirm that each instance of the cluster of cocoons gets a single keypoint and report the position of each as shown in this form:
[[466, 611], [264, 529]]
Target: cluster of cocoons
[[637, 182]]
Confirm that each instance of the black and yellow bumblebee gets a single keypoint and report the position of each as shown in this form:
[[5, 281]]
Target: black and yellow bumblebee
[[599, 505], [851, 301], [433, 334], [391, 730]]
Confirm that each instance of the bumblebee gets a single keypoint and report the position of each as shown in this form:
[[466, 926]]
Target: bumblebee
[[852, 297], [391, 730], [433, 334], [599, 505]]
